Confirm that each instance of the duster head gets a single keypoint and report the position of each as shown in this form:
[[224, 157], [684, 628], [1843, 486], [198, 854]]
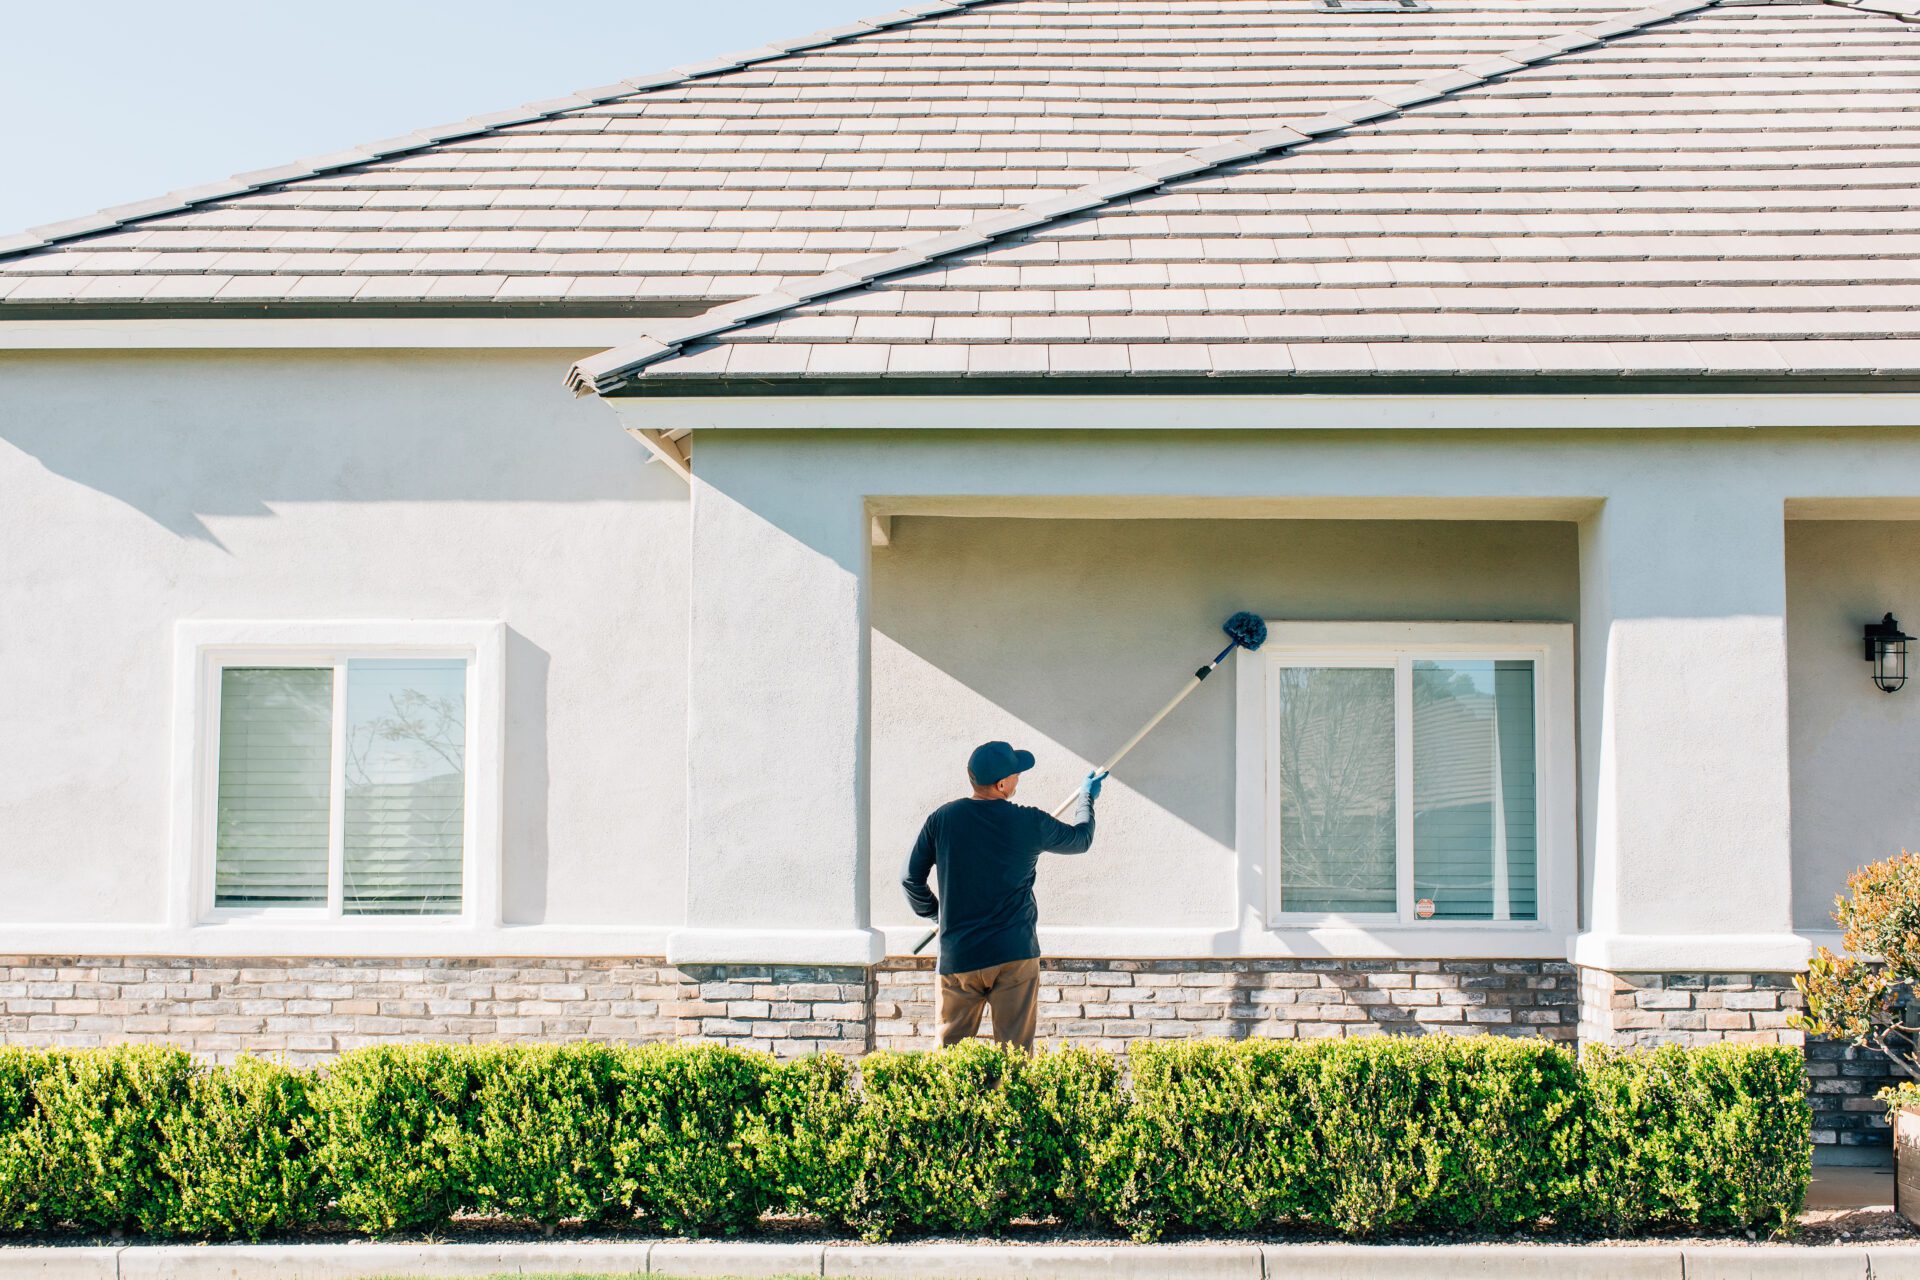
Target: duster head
[[1248, 630]]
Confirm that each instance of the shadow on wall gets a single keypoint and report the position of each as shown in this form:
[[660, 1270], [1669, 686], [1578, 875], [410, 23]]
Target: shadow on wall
[[181, 437], [1070, 633], [523, 893]]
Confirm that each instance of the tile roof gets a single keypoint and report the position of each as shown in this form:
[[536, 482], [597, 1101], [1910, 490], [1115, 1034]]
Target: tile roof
[[744, 175], [1698, 188]]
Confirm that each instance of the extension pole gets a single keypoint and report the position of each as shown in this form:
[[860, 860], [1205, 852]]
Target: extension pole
[[1193, 683]]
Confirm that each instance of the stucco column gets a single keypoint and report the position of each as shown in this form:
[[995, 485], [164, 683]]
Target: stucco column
[[1684, 727], [777, 724]]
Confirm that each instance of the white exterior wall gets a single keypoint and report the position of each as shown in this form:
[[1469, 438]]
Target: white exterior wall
[[1856, 750], [1064, 635], [140, 489], [1685, 810]]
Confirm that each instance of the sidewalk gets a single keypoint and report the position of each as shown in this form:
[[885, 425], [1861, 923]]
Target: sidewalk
[[969, 1261]]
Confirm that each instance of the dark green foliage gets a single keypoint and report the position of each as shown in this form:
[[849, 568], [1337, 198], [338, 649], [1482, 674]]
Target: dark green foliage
[[691, 1137], [237, 1153], [393, 1127], [539, 1137], [1358, 1137], [1215, 1139], [1715, 1137], [97, 1136], [1361, 1136], [968, 1139], [19, 1177]]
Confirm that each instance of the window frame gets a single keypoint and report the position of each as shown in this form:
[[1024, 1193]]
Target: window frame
[[1397, 646], [203, 650]]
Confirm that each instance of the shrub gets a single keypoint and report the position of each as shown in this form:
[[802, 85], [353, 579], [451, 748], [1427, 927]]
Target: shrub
[[690, 1141], [967, 1139], [392, 1126], [539, 1140], [1216, 1139], [1864, 1000], [1361, 1136], [237, 1153], [19, 1177], [1716, 1137], [96, 1141]]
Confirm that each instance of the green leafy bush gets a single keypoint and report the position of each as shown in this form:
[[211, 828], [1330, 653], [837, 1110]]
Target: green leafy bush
[[19, 1172], [101, 1125], [539, 1140], [237, 1153], [1358, 1137], [1716, 1137], [691, 1142], [393, 1124], [1216, 1139], [967, 1139], [1362, 1136]]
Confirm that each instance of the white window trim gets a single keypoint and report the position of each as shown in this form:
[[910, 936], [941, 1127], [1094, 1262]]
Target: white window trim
[[203, 648], [1549, 645]]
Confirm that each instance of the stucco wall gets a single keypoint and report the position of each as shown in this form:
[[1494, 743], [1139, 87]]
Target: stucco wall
[[138, 489], [1064, 635], [1856, 750]]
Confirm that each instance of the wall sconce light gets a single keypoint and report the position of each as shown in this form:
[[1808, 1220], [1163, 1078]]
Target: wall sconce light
[[1887, 651]]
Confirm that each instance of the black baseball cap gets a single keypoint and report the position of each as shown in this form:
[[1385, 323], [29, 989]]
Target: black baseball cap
[[992, 761]]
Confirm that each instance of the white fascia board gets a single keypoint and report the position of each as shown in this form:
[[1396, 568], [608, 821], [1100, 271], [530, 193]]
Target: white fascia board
[[1226, 412], [568, 334], [1694, 952]]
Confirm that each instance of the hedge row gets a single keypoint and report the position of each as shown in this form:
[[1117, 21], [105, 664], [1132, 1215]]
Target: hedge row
[[1358, 1137]]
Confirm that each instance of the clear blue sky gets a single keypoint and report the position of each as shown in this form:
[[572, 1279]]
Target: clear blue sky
[[104, 102]]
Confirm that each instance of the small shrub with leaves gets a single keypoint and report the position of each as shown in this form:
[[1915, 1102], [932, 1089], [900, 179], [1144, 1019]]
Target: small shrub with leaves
[[238, 1153], [1866, 995], [1717, 1137], [393, 1127]]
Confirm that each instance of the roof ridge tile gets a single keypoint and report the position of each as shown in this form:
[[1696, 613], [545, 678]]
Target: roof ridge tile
[[41, 237], [614, 368]]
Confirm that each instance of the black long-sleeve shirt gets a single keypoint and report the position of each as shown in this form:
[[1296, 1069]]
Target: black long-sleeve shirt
[[986, 851]]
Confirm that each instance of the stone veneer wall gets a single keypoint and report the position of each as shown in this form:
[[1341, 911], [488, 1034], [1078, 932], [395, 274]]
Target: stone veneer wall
[[311, 1009], [1109, 1002], [1643, 1009]]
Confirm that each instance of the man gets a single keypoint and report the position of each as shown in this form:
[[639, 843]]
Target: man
[[986, 847]]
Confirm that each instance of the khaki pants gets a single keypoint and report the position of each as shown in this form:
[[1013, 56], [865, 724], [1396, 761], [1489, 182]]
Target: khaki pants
[[1011, 990]]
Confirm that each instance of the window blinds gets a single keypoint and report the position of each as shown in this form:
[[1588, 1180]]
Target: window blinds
[[406, 786], [276, 774], [400, 783]]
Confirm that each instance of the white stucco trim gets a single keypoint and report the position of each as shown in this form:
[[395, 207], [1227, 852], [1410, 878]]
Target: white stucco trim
[[202, 647], [559, 334], [406, 939], [1550, 647], [1227, 412], [777, 946], [1695, 952], [1328, 943]]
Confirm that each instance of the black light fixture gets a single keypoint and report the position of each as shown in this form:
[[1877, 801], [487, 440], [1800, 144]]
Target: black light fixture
[[1887, 651]]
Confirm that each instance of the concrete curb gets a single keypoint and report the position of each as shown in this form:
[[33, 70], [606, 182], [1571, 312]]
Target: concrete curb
[[966, 1261]]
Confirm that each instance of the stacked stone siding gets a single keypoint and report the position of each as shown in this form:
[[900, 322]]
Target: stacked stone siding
[[1111, 1002], [310, 1010], [1640, 1009]]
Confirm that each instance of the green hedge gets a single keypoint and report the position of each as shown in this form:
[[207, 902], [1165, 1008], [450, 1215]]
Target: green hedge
[[1359, 1137]]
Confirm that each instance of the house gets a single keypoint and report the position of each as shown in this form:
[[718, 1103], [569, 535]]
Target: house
[[1543, 371]]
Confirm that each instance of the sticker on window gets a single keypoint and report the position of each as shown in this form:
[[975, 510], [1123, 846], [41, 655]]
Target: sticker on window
[[1424, 908]]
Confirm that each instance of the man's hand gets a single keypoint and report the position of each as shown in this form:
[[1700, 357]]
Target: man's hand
[[1090, 787]]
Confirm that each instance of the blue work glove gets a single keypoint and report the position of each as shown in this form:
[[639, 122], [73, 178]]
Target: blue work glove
[[1090, 788]]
